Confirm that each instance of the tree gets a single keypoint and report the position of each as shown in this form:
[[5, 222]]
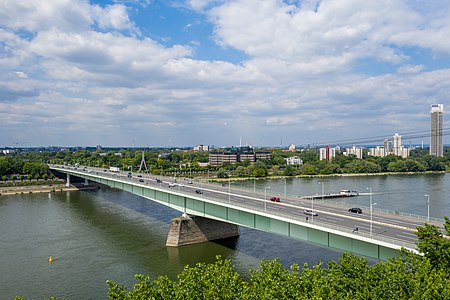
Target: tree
[[289, 171], [222, 173], [308, 169], [218, 280], [433, 244], [259, 172]]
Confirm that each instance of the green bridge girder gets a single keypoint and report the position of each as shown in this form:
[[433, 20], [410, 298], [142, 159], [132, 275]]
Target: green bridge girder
[[263, 221]]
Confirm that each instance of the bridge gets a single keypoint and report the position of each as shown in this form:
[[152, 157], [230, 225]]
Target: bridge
[[376, 234]]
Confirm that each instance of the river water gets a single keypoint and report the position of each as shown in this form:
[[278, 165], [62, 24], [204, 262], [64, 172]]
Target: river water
[[106, 234]]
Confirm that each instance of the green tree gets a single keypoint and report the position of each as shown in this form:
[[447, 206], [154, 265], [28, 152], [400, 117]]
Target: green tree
[[434, 246], [308, 169], [289, 171], [222, 173]]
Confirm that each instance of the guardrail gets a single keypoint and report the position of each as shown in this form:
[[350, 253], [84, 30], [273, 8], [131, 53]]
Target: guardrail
[[261, 209]]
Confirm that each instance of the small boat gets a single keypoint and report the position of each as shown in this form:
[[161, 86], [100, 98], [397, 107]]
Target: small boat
[[349, 193]]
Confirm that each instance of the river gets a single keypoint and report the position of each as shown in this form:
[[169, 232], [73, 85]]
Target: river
[[106, 234]]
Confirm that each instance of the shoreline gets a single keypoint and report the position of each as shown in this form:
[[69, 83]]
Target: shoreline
[[5, 191], [328, 175]]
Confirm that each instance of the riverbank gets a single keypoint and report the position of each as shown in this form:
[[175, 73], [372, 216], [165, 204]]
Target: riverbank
[[50, 188], [326, 175]]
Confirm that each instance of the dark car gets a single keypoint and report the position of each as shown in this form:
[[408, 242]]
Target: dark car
[[310, 213], [355, 210], [199, 191], [141, 180], [275, 199]]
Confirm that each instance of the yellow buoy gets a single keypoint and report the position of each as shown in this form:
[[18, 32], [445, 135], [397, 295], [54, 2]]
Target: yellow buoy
[[50, 260]]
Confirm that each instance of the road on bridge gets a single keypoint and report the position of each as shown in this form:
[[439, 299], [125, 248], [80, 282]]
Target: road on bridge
[[385, 226]]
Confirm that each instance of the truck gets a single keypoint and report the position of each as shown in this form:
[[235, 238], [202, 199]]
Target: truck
[[114, 169]]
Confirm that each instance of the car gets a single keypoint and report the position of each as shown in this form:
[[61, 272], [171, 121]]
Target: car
[[355, 210], [158, 180], [198, 191], [310, 212], [139, 176], [141, 180], [275, 199]]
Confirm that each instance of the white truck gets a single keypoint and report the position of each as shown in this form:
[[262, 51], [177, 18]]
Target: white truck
[[114, 169]]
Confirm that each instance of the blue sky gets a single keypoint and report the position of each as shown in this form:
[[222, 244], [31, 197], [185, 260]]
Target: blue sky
[[183, 73]]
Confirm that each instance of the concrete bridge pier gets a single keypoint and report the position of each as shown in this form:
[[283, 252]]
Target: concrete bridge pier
[[188, 230], [68, 180], [86, 182]]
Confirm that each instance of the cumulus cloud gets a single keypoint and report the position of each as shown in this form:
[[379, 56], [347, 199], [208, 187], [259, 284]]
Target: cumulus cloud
[[84, 67]]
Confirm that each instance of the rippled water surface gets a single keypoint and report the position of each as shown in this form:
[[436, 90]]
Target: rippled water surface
[[110, 234]]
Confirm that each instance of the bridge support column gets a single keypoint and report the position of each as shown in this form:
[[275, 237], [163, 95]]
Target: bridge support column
[[68, 180], [187, 230], [86, 182]]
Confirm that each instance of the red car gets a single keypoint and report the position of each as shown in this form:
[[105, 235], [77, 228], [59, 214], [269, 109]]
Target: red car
[[275, 199]]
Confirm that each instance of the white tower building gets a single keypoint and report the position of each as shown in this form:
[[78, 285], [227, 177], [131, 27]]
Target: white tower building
[[436, 120]]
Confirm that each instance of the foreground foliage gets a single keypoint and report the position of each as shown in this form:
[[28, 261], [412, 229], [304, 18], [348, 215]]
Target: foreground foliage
[[409, 276]]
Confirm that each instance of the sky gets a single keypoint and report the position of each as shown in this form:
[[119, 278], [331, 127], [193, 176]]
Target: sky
[[174, 73]]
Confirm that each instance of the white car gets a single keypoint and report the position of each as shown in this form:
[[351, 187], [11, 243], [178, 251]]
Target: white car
[[310, 212]]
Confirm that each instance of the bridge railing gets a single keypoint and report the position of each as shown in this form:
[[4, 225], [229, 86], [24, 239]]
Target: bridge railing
[[374, 236], [345, 203], [263, 210]]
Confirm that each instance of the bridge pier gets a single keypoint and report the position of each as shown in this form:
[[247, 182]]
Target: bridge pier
[[187, 230], [68, 180], [86, 182]]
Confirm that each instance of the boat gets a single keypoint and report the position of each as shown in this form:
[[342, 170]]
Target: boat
[[349, 193]]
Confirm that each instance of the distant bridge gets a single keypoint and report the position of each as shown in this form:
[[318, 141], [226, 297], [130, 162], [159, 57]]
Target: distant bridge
[[379, 236]]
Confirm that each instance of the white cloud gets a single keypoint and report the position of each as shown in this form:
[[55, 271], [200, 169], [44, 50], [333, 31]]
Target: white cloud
[[77, 66], [21, 74]]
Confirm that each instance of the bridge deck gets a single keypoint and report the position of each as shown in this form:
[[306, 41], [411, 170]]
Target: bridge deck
[[334, 226]]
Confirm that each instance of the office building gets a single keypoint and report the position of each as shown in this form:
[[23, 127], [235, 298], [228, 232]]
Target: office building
[[236, 154], [436, 120]]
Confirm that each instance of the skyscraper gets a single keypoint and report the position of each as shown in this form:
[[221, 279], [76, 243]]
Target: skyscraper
[[397, 143], [436, 143]]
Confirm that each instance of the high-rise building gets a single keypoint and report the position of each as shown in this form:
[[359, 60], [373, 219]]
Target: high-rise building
[[397, 143], [387, 147], [436, 120], [355, 151], [327, 153]]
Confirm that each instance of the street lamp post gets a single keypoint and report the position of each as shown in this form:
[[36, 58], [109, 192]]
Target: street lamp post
[[323, 189], [428, 210], [229, 190], [371, 210], [265, 197]]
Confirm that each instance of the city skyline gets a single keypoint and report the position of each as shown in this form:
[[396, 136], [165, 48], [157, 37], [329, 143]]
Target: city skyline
[[177, 73]]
